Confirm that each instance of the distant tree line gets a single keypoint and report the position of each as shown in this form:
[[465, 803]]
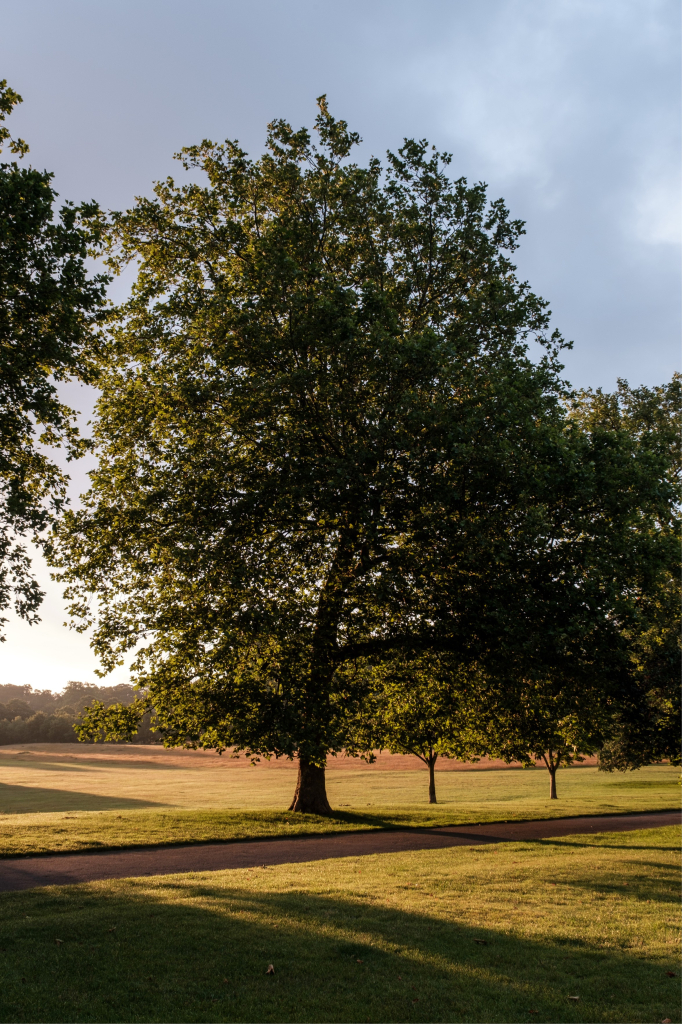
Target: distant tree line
[[41, 716]]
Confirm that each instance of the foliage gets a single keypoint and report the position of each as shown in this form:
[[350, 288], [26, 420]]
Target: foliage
[[322, 439], [15, 708], [646, 726], [8, 100], [38, 700], [548, 718], [47, 307], [37, 728], [539, 721], [75, 695], [40, 716], [421, 706]]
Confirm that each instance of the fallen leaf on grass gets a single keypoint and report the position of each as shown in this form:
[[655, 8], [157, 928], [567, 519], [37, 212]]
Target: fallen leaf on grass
[[666, 1020], [574, 998], [270, 970], [671, 974], [481, 942], [359, 961], [113, 929], [59, 941]]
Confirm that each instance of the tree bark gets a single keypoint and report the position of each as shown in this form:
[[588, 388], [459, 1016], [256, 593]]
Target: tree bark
[[552, 783], [432, 778], [552, 765], [311, 792]]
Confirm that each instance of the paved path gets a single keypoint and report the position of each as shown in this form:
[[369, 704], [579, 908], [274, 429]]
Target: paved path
[[69, 868]]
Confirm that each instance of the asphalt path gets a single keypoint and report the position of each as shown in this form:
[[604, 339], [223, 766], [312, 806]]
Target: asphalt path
[[69, 868]]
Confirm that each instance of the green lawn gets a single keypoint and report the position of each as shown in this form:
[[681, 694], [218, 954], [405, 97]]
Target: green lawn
[[366, 800], [496, 933], [466, 797]]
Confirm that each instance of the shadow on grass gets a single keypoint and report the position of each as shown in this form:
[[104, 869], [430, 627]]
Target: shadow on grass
[[84, 764], [642, 783], [190, 949], [606, 844], [41, 766], [447, 818], [35, 800]]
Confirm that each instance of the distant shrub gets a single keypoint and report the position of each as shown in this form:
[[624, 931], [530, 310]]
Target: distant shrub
[[40, 716], [39, 728]]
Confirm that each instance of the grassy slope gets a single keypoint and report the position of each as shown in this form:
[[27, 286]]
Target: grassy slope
[[468, 934], [468, 797]]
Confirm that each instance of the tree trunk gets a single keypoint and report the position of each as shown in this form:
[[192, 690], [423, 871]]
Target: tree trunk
[[432, 779], [552, 784], [311, 793]]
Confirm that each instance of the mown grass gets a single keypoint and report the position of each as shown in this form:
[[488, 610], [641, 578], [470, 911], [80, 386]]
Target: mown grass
[[40, 783], [498, 933], [475, 797]]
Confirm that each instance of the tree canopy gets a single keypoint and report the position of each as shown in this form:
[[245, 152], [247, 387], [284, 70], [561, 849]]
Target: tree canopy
[[645, 727], [548, 717], [424, 705], [47, 305], [323, 441]]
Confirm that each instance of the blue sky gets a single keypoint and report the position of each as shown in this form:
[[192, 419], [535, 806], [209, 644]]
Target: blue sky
[[570, 109]]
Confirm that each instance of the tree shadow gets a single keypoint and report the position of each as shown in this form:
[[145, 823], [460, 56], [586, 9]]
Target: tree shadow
[[404, 819], [36, 800], [197, 948], [609, 844], [85, 764], [44, 766]]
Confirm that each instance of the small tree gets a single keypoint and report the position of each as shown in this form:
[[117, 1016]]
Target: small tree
[[542, 721], [419, 706]]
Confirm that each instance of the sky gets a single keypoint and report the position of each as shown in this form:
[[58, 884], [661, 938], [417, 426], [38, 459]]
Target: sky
[[569, 109]]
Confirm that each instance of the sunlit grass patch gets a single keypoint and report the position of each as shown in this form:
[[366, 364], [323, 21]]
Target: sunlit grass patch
[[362, 800], [466, 934]]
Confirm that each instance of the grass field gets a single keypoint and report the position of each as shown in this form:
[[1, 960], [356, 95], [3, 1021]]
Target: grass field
[[492, 934], [52, 801]]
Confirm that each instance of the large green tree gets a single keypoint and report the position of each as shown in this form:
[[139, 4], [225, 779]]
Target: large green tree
[[322, 439], [47, 306]]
